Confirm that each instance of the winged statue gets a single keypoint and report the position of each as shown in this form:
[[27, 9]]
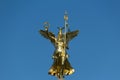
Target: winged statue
[[61, 65]]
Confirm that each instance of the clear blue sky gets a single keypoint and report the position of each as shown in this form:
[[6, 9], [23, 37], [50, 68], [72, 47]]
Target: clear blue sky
[[26, 55]]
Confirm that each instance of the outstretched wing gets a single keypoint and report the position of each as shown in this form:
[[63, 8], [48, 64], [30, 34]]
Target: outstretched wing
[[48, 35], [71, 35]]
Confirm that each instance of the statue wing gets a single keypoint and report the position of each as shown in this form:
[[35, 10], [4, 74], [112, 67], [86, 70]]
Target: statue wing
[[71, 35], [48, 35]]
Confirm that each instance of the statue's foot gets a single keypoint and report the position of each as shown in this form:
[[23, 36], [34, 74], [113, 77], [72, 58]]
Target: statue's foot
[[71, 71], [68, 72], [52, 72]]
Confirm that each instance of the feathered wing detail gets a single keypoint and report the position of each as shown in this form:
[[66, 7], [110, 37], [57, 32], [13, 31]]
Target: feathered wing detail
[[48, 35], [71, 35]]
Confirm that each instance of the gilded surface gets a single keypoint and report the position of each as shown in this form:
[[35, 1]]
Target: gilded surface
[[61, 66]]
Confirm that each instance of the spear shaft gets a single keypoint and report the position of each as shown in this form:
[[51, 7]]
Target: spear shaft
[[66, 19]]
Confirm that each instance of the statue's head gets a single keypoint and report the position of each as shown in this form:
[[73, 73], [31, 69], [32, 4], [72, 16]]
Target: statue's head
[[60, 34]]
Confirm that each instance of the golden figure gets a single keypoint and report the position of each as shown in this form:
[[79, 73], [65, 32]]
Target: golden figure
[[61, 65]]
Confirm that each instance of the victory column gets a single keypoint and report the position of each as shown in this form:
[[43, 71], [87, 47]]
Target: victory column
[[61, 66]]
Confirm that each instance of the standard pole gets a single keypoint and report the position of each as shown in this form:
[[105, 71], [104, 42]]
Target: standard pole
[[66, 19]]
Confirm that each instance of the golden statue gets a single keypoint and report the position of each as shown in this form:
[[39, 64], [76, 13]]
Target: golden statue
[[61, 65]]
